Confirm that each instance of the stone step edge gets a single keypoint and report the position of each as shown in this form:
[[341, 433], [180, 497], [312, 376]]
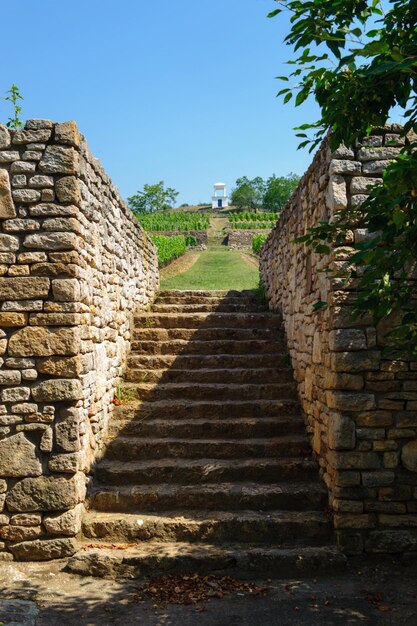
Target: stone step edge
[[154, 558]]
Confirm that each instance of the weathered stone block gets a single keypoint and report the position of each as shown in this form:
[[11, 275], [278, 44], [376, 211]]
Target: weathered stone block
[[4, 137], [59, 160], [355, 521], [7, 208], [23, 288], [31, 136], [409, 456], [345, 339], [41, 341], [65, 463], [18, 457], [68, 190], [354, 460], [67, 431], [44, 549], [9, 243], [350, 401], [336, 198], [15, 394], [341, 432], [10, 320], [68, 523], [46, 493], [67, 133], [20, 533], [391, 541], [66, 290], [52, 241], [355, 361], [57, 390], [10, 377], [26, 196]]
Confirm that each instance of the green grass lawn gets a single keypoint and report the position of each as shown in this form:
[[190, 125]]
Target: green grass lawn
[[216, 268]]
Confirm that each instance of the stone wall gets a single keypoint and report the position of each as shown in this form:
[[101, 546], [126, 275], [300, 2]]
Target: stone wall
[[74, 265], [241, 239], [360, 406]]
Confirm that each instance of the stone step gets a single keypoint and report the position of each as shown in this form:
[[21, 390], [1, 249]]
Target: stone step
[[200, 294], [223, 305], [234, 496], [207, 334], [153, 558], [193, 299], [179, 346], [179, 409], [244, 428], [212, 391], [203, 361], [218, 375], [272, 528], [198, 471], [133, 448], [208, 320]]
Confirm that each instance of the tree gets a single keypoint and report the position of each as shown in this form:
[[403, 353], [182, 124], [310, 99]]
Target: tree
[[279, 190], [358, 60], [248, 194], [153, 198]]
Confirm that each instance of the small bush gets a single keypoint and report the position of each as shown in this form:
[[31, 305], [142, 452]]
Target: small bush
[[169, 248], [173, 221], [190, 240], [257, 243]]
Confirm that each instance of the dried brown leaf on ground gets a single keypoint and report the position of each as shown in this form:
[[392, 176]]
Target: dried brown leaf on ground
[[195, 588]]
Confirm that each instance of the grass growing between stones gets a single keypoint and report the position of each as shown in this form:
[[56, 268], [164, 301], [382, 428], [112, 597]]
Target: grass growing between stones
[[216, 268]]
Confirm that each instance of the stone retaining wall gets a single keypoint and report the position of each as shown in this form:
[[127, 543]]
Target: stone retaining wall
[[360, 406], [74, 265], [241, 239]]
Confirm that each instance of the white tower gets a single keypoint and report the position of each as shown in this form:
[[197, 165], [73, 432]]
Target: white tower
[[220, 199]]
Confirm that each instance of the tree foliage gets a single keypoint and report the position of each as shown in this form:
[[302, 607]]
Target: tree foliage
[[358, 59], [153, 198], [279, 189], [273, 194]]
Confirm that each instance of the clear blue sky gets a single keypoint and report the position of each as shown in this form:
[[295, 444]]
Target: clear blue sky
[[178, 91]]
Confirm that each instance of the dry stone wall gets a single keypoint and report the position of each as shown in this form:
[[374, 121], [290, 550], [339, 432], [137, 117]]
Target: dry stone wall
[[360, 406], [74, 265], [241, 239]]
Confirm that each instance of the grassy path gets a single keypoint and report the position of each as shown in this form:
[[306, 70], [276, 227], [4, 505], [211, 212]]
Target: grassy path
[[216, 268]]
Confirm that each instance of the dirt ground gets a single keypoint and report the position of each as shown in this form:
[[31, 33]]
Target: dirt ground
[[375, 592]]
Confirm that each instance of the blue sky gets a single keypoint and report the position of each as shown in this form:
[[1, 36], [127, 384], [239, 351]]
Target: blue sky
[[178, 91]]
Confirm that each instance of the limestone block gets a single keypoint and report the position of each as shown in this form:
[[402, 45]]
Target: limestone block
[[53, 210], [20, 533], [336, 198], [26, 196], [41, 341], [26, 519], [354, 521], [44, 549], [9, 320], [65, 367], [350, 401], [67, 430], [345, 339], [409, 456], [22, 167], [38, 124], [39, 182], [391, 541], [52, 241], [9, 243], [66, 290], [378, 153], [7, 208], [15, 394], [342, 380], [363, 185], [355, 361], [354, 460], [67, 190], [341, 166], [59, 160], [46, 493], [341, 432], [10, 377], [57, 390], [31, 136], [23, 288], [18, 457], [68, 523], [4, 137], [65, 463], [67, 133]]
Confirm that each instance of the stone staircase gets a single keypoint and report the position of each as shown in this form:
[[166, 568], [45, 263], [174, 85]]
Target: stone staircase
[[210, 467]]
